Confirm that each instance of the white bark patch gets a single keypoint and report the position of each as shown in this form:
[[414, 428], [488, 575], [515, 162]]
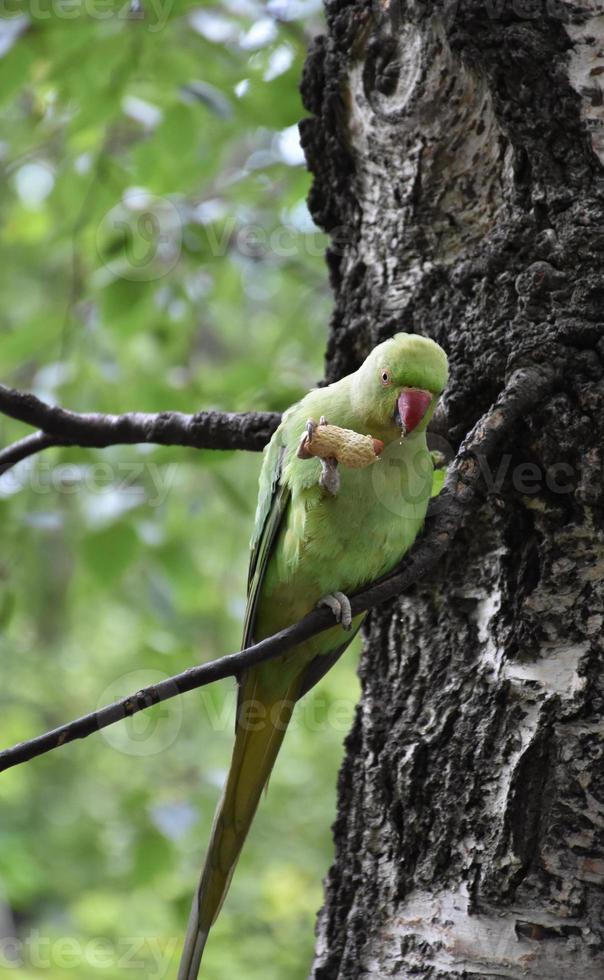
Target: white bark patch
[[433, 164], [586, 74], [462, 943], [556, 672], [485, 612]]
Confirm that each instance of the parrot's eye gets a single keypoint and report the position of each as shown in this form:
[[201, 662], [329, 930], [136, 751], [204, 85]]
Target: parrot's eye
[[386, 376]]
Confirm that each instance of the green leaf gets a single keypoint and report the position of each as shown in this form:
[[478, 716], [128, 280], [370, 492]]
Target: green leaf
[[109, 552]]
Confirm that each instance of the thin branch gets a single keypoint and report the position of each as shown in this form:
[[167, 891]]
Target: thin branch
[[525, 389], [60, 427], [28, 446]]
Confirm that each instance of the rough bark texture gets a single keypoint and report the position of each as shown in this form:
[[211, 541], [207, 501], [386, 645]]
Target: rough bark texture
[[458, 153]]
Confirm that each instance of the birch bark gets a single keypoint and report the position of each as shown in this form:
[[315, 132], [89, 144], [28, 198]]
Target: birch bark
[[458, 159]]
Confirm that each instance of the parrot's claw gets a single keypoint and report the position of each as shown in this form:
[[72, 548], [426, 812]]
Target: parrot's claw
[[340, 607], [306, 439], [303, 452], [330, 478]]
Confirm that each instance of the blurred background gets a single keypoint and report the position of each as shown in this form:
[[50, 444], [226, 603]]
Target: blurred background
[[157, 253]]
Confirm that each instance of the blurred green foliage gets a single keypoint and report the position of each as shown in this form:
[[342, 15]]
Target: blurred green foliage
[[157, 254]]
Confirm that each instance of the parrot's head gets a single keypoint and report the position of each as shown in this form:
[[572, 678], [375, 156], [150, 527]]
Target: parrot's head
[[399, 384]]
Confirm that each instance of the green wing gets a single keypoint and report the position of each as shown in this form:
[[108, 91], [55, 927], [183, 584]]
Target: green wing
[[273, 498], [273, 501]]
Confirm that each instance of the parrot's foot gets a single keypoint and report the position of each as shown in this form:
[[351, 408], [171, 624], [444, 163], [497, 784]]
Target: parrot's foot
[[330, 478], [340, 607], [306, 438]]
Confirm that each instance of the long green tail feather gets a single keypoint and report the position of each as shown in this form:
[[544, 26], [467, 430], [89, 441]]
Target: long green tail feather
[[261, 726]]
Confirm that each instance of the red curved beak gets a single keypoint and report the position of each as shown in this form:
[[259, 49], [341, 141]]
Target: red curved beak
[[412, 405]]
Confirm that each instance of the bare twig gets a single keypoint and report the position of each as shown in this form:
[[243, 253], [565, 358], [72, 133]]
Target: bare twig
[[60, 427], [28, 446], [525, 389]]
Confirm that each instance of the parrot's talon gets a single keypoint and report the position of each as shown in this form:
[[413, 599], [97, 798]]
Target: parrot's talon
[[339, 603], [306, 439], [330, 478], [302, 452]]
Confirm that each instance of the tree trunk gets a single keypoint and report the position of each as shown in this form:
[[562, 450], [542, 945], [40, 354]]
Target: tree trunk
[[457, 151]]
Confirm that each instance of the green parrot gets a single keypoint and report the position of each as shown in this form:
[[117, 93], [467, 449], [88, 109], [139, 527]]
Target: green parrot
[[321, 530]]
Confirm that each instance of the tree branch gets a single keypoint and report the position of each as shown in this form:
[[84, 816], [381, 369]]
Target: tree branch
[[60, 427], [525, 389], [204, 430], [28, 446]]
